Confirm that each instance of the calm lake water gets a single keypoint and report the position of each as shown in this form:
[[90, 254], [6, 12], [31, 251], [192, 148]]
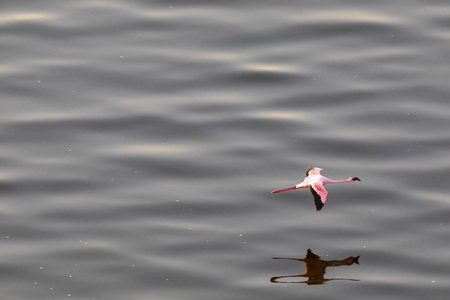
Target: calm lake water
[[140, 141]]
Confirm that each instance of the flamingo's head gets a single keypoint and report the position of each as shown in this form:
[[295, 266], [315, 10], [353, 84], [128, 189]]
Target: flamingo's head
[[355, 179]]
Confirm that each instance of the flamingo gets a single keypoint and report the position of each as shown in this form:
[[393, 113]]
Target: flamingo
[[315, 181]]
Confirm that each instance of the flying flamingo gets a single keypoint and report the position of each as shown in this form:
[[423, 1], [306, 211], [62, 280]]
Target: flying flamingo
[[315, 182]]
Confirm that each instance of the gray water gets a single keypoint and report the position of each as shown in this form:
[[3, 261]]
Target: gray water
[[140, 141]]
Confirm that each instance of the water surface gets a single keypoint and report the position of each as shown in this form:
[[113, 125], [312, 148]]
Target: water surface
[[141, 140]]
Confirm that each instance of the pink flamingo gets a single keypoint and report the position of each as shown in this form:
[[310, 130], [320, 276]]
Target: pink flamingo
[[315, 182]]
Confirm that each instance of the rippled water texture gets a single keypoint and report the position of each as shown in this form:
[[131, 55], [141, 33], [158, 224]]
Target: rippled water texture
[[140, 141]]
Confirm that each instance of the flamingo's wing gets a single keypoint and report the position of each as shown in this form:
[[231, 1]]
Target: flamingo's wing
[[317, 199], [309, 169], [319, 193]]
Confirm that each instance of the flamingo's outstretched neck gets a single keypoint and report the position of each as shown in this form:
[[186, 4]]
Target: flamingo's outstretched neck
[[351, 179], [291, 188]]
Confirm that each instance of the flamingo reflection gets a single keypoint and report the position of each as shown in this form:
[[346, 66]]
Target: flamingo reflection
[[315, 268]]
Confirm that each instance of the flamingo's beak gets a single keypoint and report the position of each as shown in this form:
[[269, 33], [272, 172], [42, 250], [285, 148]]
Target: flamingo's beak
[[356, 178]]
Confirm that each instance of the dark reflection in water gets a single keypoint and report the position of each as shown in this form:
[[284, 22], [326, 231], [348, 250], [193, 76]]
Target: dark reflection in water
[[316, 268]]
